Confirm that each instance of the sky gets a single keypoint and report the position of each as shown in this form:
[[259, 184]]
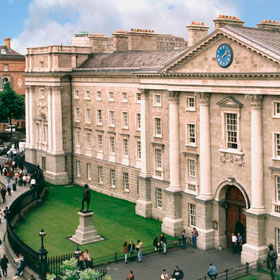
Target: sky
[[33, 23]]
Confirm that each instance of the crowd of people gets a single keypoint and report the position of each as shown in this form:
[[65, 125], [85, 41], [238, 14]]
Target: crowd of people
[[85, 260]]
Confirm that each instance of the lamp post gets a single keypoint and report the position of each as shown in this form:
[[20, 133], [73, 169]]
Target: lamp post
[[77, 252], [42, 256]]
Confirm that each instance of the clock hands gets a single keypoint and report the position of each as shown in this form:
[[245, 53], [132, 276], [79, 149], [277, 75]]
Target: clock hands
[[225, 54]]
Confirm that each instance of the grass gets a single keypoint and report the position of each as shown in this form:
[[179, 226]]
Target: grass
[[114, 219], [249, 277]]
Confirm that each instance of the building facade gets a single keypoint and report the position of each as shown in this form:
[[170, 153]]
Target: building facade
[[190, 134]]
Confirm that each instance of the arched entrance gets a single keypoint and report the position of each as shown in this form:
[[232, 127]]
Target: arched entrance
[[235, 205]]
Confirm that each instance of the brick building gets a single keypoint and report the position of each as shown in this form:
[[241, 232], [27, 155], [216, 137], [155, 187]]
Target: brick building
[[190, 134]]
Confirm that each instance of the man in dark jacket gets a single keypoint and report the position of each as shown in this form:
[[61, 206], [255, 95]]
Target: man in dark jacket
[[4, 265], [178, 273]]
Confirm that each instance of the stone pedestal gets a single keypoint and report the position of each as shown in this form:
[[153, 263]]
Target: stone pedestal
[[86, 232]]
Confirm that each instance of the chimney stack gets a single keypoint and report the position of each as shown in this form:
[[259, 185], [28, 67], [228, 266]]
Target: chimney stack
[[223, 20], [269, 25], [196, 32], [7, 42]]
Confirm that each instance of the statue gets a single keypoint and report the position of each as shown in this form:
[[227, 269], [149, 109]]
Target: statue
[[271, 260], [86, 198]]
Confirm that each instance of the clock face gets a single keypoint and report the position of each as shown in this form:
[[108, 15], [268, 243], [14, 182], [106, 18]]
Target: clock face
[[224, 55]]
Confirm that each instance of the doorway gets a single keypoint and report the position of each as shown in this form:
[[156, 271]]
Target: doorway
[[235, 218]]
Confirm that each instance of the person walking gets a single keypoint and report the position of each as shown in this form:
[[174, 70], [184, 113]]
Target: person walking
[[4, 265], [194, 237], [163, 243], [139, 250], [164, 275], [130, 276], [184, 239], [1, 216], [178, 273], [233, 242], [3, 194], [20, 265], [212, 271], [125, 251], [239, 242], [9, 188]]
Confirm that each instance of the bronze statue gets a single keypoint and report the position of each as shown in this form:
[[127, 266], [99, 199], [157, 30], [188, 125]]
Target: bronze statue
[[86, 198], [271, 259]]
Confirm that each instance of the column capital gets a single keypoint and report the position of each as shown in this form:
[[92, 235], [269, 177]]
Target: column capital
[[204, 98], [56, 89], [144, 93], [173, 96], [255, 101]]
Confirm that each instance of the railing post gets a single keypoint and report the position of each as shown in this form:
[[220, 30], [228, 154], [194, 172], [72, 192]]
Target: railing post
[[226, 271], [247, 268], [43, 263], [116, 257]]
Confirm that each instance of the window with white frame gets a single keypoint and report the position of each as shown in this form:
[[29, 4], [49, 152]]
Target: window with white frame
[[277, 181], [231, 129], [139, 150], [125, 147], [42, 92], [77, 94], [138, 97], [89, 171], [159, 198], [87, 115], [158, 127], [6, 67], [44, 134], [191, 170], [112, 118], [77, 114], [191, 131], [100, 174], [125, 181], [111, 96], [98, 95], [87, 95], [190, 103], [125, 119], [278, 240], [77, 138], [99, 117], [100, 143], [192, 215], [112, 145], [113, 178], [158, 159], [276, 109], [138, 121], [41, 65], [157, 100], [277, 145], [78, 167], [124, 97], [88, 140]]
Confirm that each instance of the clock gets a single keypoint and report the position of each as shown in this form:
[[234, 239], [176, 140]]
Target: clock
[[224, 55]]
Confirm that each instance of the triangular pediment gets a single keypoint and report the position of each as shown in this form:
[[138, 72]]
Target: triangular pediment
[[229, 102]]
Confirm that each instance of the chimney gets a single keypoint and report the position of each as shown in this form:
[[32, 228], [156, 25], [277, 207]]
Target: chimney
[[196, 32], [223, 20], [7, 42], [269, 25]]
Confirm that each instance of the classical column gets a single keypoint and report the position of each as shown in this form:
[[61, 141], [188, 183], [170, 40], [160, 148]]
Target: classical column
[[31, 117], [50, 140], [174, 142], [27, 116], [257, 189], [205, 191]]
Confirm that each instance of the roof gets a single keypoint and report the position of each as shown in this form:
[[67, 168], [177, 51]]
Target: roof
[[134, 61], [9, 53]]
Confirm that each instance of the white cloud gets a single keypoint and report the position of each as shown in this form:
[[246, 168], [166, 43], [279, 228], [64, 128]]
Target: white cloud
[[55, 21]]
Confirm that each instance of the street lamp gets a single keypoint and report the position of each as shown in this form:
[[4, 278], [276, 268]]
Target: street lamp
[[42, 256], [42, 234], [77, 252]]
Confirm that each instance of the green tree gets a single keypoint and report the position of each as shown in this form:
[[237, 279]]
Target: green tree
[[11, 104]]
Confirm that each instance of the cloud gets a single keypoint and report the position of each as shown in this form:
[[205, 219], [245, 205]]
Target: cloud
[[55, 21]]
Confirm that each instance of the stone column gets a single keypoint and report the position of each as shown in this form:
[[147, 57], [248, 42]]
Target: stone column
[[31, 117], [50, 140], [144, 203], [27, 116], [205, 190]]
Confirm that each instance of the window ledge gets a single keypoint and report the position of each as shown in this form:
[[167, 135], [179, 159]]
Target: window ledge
[[276, 158], [235, 152], [127, 191], [276, 117], [190, 110], [158, 136], [191, 145]]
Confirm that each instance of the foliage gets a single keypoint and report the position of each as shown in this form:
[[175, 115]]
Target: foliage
[[51, 276]]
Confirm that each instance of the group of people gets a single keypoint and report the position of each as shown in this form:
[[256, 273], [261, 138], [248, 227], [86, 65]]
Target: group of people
[[194, 234], [131, 248], [160, 244], [85, 260], [177, 274], [237, 242]]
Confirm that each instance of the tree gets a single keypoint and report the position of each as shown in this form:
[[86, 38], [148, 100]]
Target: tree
[[11, 104]]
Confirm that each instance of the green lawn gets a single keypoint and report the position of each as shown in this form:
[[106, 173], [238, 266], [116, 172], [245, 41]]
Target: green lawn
[[114, 219]]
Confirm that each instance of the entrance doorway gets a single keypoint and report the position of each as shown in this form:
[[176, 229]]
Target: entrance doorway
[[235, 218]]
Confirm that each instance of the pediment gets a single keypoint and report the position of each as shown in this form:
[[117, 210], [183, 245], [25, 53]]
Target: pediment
[[229, 102]]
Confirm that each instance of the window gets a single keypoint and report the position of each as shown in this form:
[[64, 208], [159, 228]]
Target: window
[[113, 177], [138, 150], [192, 170], [138, 97], [77, 94], [111, 96], [138, 121], [89, 172], [112, 118], [87, 115], [44, 163], [99, 117], [278, 189], [78, 166], [277, 109], [112, 145], [124, 97], [158, 130], [231, 131], [77, 138], [157, 100], [99, 143], [100, 174], [125, 119], [125, 147], [158, 159], [191, 134], [6, 67], [41, 65], [42, 92], [77, 114], [159, 198], [98, 95], [44, 134], [192, 215], [125, 181], [87, 95], [277, 145], [190, 106], [88, 140]]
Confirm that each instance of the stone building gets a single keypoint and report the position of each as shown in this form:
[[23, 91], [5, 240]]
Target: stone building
[[190, 134]]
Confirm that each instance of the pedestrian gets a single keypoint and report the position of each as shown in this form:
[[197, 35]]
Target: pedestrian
[[125, 251], [163, 243], [6, 212], [212, 271], [164, 275], [9, 188], [194, 237], [271, 258], [139, 250], [172, 277], [4, 265], [130, 276], [233, 242], [131, 247], [178, 273], [20, 265], [1, 216], [156, 243], [3, 194], [184, 239], [239, 242], [81, 261], [88, 259], [24, 180], [32, 277]]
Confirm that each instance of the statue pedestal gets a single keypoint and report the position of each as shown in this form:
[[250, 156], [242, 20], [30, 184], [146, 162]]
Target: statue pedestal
[[86, 232]]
